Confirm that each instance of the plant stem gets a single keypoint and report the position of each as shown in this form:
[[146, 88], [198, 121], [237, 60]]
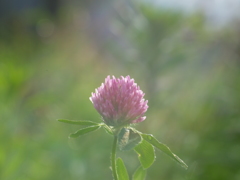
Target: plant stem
[[113, 158]]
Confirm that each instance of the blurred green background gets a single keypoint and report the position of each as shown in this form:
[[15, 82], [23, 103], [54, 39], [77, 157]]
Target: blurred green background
[[54, 53]]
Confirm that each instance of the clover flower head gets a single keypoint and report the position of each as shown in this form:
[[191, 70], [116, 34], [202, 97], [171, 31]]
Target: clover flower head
[[120, 101]]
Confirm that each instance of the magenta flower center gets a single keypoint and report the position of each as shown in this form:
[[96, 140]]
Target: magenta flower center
[[119, 101]]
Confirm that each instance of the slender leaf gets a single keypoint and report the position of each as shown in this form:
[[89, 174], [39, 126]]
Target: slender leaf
[[107, 129], [78, 122], [151, 139], [140, 174], [121, 170], [146, 154], [128, 139], [84, 131]]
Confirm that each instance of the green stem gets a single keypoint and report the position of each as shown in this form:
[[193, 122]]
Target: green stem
[[113, 158]]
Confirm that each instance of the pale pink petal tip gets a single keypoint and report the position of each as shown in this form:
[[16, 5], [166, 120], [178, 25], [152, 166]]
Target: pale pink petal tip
[[139, 119], [120, 101]]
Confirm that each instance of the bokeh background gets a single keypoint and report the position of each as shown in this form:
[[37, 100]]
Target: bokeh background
[[184, 55]]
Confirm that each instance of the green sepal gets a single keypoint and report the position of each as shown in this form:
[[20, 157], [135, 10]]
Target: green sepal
[[152, 140], [121, 170], [128, 139], [78, 122], [83, 131], [139, 174], [146, 154]]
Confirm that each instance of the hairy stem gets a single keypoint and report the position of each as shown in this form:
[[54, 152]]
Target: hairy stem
[[113, 158]]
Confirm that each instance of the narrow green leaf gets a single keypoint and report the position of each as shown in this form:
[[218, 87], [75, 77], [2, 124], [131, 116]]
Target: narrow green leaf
[[78, 122], [151, 139], [128, 139], [121, 170], [84, 131], [140, 174], [107, 129], [146, 154]]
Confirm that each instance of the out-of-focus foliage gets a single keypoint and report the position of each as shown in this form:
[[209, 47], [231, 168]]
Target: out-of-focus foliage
[[50, 63]]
